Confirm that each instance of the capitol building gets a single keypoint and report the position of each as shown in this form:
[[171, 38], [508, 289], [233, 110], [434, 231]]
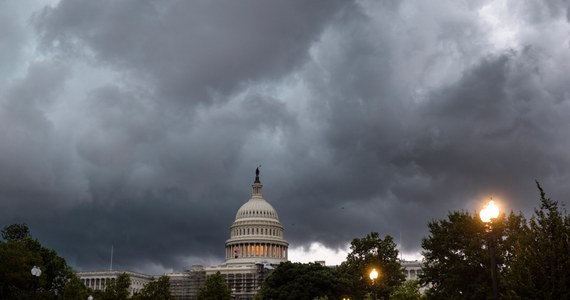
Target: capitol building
[[255, 247]]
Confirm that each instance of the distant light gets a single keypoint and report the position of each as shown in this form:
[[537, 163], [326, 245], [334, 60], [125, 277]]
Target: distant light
[[373, 274]]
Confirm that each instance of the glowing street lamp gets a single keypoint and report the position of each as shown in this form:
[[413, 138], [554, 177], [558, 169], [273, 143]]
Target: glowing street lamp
[[487, 214], [373, 275]]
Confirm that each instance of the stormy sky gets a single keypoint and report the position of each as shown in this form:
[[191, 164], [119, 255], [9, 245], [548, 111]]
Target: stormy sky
[[138, 124]]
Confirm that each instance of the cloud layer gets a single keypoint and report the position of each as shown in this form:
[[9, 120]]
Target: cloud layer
[[138, 124]]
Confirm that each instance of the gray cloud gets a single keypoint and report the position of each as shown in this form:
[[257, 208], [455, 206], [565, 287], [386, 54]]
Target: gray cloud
[[138, 124], [210, 47]]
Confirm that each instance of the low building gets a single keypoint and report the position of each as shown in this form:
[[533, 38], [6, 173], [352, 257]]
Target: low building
[[185, 285], [412, 269], [100, 280]]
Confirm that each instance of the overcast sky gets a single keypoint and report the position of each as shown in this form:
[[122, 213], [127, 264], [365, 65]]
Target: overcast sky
[[138, 124]]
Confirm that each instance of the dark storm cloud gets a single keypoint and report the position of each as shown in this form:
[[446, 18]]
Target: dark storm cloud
[[138, 124], [195, 51], [396, 162], [30, 163]]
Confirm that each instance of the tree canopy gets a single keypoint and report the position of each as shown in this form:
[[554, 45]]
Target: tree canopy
[[375, 252], [409, 290], [116, 289], [540, 266], [533, 257], [455, 262], [16, 232], [304, 281], [156, 290], [215, 288], [19, 253]]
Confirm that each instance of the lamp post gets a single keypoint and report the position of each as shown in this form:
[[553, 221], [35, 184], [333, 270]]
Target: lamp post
[[36, 273], [487, 214], [373, 275]]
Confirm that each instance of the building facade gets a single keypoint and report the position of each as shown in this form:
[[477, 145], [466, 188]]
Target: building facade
[[255, 247], [412, 269], [99, 280]]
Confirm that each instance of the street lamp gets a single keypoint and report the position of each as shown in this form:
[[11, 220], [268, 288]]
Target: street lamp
[[90, 297], [373, 275], [36, 273], [487, 214]]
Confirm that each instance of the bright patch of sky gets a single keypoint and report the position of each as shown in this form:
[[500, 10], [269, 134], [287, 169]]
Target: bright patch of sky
[[332, 257], [503, 29], [318, 252]]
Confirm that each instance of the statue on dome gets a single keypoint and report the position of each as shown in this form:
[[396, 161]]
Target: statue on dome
[[257, 174]]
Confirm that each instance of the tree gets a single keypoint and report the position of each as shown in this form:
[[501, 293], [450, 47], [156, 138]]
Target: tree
[[16, 261], [456, 256], [18, 254], [541, 258], [304, 281], [156, 290], [118, 289], [373, 252], [409, 290], [16, 232], [74, 289], [455, 262], [215, 288]]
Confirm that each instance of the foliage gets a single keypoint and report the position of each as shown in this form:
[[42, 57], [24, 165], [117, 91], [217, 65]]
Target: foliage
[[18, 254], [373, 252], [303, 281], [454, 261], [117, 289], [74, 289], [16, 232], [409, 290], [456, 254], [215, 288], [541, 258], [533, 257], [156, 290]]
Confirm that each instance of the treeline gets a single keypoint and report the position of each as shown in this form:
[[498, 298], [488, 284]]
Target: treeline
[[532, 256], [20, 253]]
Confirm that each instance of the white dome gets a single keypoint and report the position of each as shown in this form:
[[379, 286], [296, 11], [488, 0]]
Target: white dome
[[256, 235], [257, 208]]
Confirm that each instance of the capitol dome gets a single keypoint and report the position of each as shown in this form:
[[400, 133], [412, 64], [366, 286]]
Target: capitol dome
[[257, 208], [256, 235]]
